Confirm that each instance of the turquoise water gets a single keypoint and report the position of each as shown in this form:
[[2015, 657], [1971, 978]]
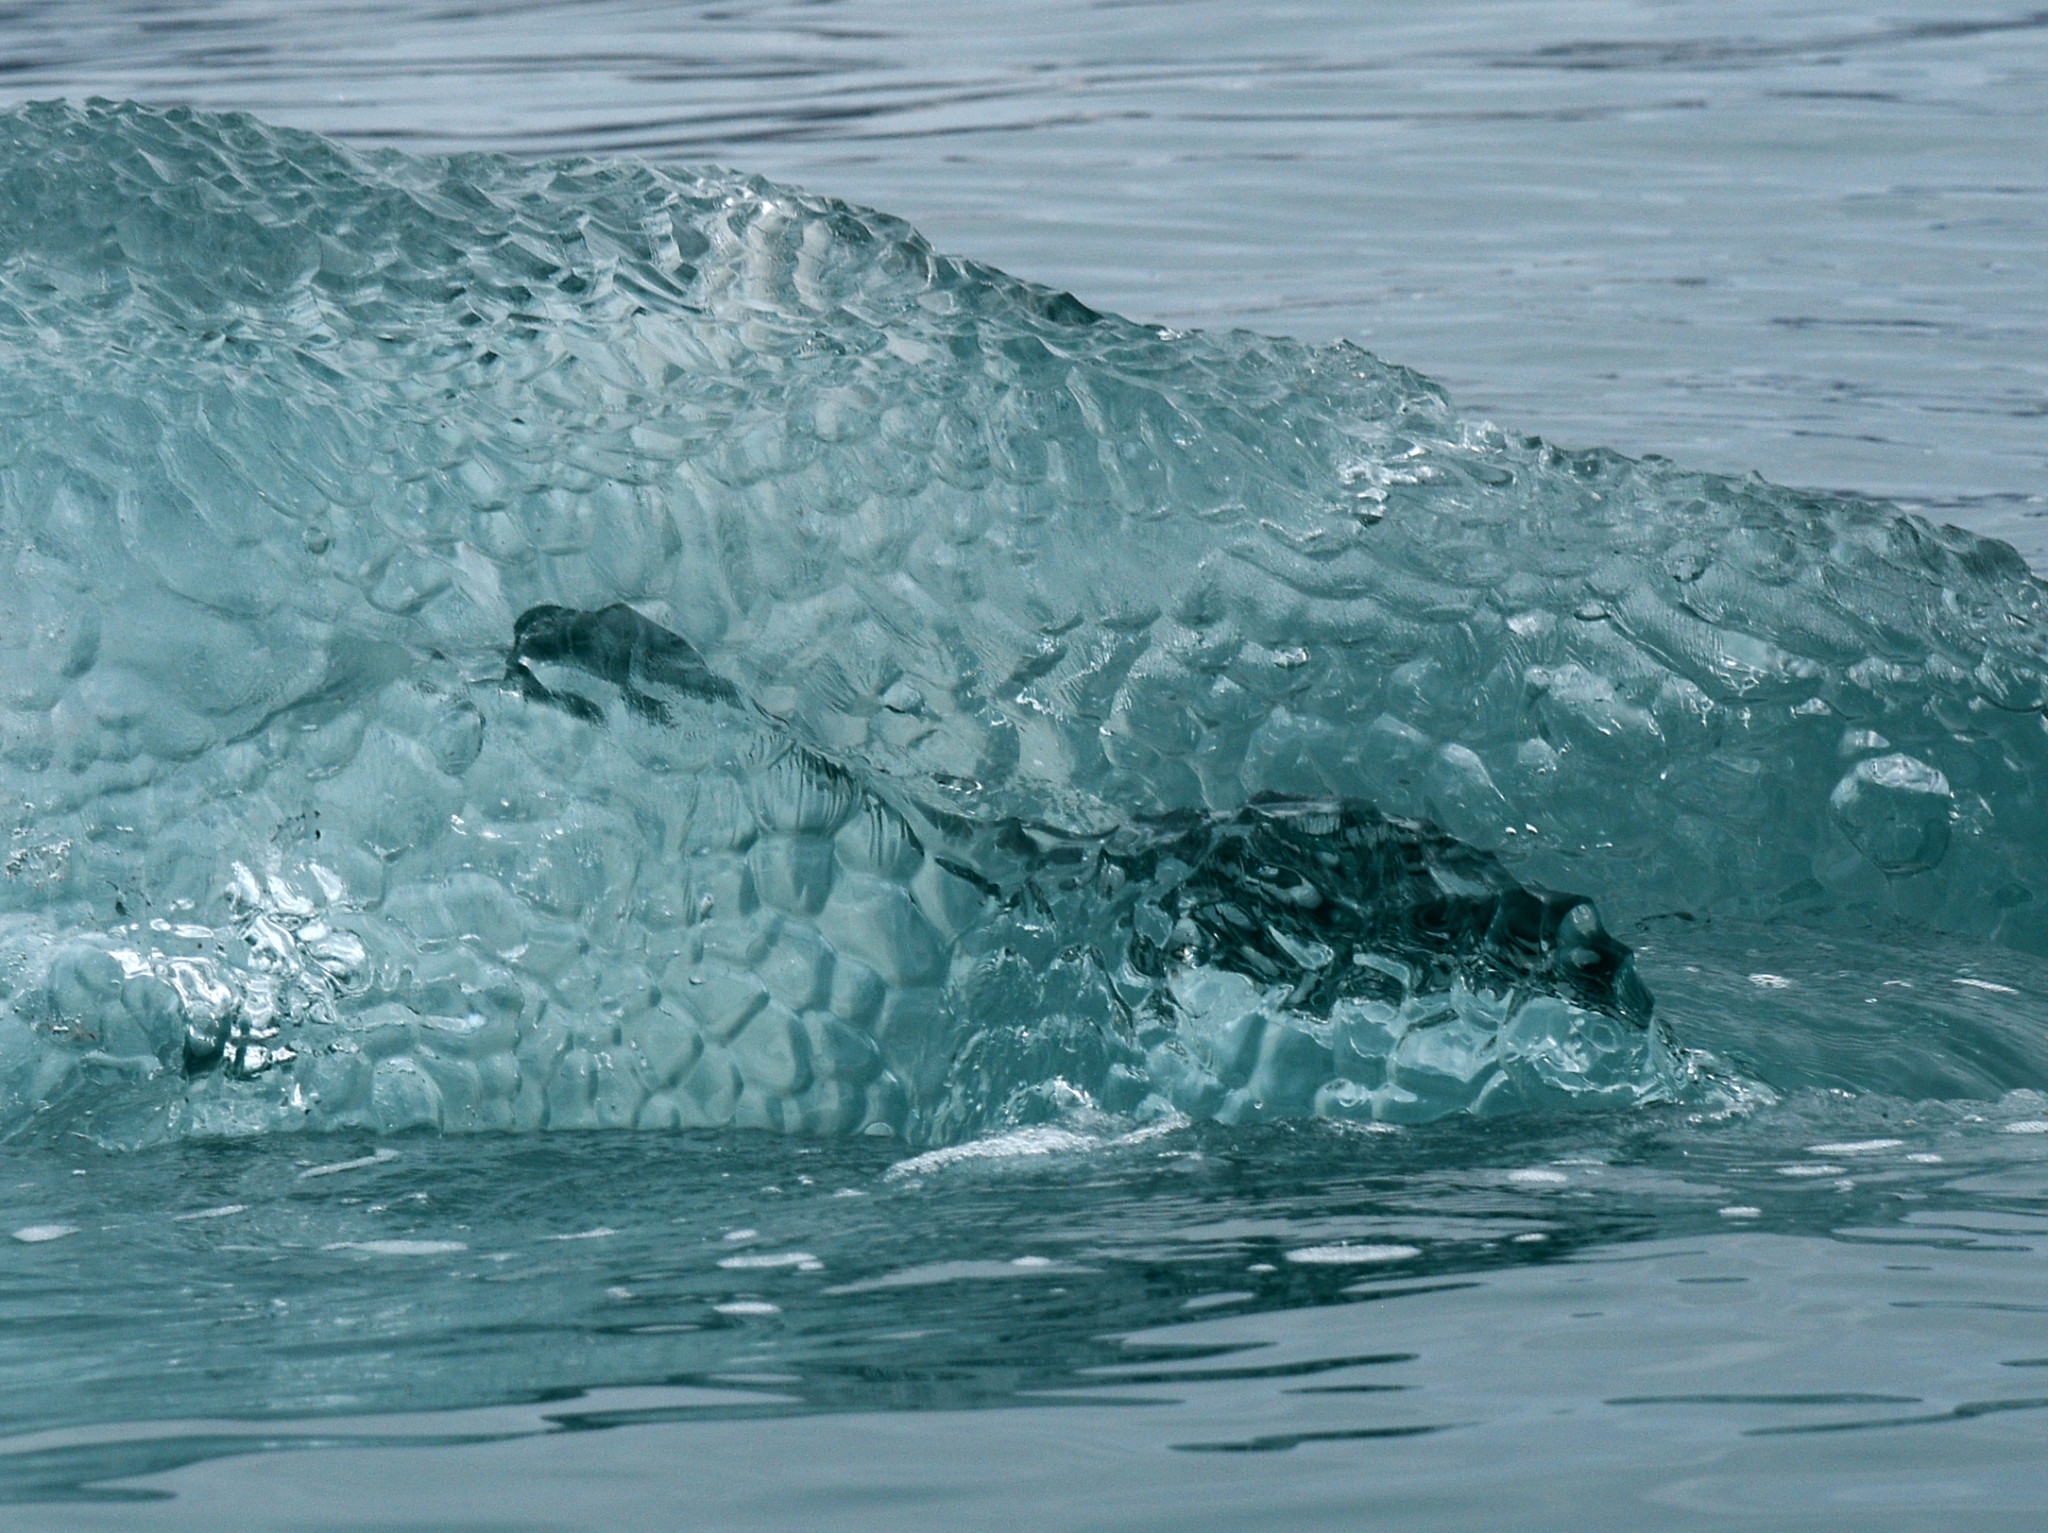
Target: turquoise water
[[526, 677]]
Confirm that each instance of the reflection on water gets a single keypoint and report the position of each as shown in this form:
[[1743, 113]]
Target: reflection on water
[[1763, 235], [1824, 1267]]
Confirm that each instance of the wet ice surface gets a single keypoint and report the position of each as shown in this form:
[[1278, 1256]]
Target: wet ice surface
[[499, 645]]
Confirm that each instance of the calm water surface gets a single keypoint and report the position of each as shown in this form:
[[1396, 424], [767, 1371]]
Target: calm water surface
[[1779, 237]]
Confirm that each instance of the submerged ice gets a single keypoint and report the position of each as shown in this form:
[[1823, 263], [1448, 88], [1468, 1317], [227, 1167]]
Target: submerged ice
[[487, 643]]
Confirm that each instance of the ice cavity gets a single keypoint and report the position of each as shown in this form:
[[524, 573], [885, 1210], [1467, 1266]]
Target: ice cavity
[[296, 438]]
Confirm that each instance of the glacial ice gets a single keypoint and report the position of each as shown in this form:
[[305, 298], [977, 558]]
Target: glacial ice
[[488, 643]]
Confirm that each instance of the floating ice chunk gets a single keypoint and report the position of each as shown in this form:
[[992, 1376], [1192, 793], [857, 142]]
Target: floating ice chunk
[[361, 1162], [965, 1271], [1347, 1255], [38, 1234], [398, 1247], [769, 1261], [1024, 1144]]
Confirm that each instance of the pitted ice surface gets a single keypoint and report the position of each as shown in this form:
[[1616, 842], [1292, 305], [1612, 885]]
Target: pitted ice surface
[[500, 644]]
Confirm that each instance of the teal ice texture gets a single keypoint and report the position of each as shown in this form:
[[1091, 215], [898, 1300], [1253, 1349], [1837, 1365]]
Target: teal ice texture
[[495, 644]]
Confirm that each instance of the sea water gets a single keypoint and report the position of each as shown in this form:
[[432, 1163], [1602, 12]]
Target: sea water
[[679, 860]]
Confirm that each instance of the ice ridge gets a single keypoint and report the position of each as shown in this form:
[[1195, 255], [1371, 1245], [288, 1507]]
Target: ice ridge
[[497, 643]]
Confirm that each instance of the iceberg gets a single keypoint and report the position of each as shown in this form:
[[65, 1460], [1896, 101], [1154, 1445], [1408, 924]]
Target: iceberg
[[488, 643]]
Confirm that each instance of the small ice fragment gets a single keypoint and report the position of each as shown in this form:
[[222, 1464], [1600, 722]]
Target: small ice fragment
[[1854, 1147], [334, 1168], [1925, 1158], [1741, 1211], [398, 1247], [748, 1307], [36, 1234], [2028, 1126], [1031, 1261], [1771, 981], [1345, 1255], [1023, 1143], [1537, 1178], [741, 1234], [763, 1261], [211, 1213], [1985, 984], [597, 1234], [1813, 1170], [1531, 1238], [849, 1192]]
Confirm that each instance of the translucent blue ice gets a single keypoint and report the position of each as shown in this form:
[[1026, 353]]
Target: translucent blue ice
[[487, 643]]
